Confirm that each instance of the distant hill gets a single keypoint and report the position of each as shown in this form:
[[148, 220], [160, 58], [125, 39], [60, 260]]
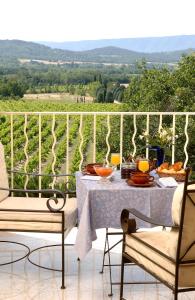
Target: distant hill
[[16, 49], [147, 45]]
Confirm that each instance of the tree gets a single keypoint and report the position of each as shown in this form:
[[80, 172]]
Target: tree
[[184, 77], [92, 88], [164, 89], [101, 94], [118, 92], [109, 96], [12, 88], [72, 89], [151, 91]]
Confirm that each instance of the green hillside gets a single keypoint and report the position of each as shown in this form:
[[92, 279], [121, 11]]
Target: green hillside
[[16, 49]]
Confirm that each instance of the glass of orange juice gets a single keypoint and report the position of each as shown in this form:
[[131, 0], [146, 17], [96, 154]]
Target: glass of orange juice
[[143, 165], [115, 159]]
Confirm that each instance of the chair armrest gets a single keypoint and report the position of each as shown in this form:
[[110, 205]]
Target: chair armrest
[[45, 191], [128, 224]]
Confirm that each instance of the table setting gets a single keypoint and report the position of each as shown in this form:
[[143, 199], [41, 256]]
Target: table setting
[[102, 195], [138, 173]]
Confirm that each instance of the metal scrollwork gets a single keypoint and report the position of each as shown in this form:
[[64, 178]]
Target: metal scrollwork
[[67, 190], [56, 201]]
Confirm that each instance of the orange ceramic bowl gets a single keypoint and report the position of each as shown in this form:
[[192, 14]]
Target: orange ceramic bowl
[[141, 178], [103, 171]]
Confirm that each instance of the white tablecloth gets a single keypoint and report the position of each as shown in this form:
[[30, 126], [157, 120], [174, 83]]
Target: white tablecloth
[[100, 206]]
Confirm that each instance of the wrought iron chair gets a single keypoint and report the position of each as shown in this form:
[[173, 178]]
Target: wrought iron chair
[[55, 214], [168, 255]]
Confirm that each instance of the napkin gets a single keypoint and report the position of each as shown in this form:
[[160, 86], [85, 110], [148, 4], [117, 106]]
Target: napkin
[[167, 182], [89, 177]]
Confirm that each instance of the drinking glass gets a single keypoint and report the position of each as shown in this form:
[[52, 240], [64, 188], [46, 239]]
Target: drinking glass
[[115, 159], [127, 169], [143, 165]]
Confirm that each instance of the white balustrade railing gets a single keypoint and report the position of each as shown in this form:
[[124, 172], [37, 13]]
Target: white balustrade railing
[[51, 119]]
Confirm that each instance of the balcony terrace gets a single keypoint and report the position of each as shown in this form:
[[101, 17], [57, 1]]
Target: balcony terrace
[[35, 141], [63, 142]]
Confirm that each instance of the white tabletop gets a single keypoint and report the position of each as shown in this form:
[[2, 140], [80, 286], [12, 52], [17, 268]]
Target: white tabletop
[[100, 206]]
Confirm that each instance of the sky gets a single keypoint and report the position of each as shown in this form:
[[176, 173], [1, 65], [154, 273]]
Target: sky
[[73, 20]]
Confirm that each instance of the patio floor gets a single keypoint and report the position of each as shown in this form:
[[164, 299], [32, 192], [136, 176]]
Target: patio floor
[[23, 281]]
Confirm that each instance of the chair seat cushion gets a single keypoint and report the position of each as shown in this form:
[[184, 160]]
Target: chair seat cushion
[[36, 221], [156, 251], [164, 241]]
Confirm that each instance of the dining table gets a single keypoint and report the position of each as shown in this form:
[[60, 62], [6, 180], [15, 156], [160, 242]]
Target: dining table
[[100, 205]]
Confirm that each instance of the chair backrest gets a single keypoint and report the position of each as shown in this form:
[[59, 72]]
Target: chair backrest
[[187, 250], [183, 214], [3, 175]]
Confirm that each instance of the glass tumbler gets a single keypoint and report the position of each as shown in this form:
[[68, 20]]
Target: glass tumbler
[[127, 169]]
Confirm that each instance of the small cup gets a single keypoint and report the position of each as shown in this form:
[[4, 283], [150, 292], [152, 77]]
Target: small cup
[[141, 178]]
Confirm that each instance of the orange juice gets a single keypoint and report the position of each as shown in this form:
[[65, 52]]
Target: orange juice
[[143, 165], [115, 159]]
